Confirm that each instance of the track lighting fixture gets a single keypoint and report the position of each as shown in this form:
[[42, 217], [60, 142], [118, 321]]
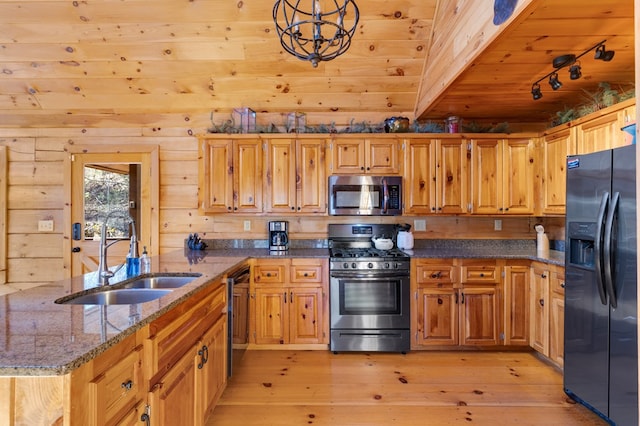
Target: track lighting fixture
[[575, 69], [575, 72], [603, 54], [535, 91]]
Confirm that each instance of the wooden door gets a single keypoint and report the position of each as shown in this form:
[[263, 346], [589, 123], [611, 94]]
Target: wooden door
[[272, 315], [305, 315], [539, 310], [216, 176], [211, 372], [247, 176], [280, 182], [599, 134], [556, 318], [83, 253], [173, 397], [517, 165], [452, 194], [516, 305], [420, 181], [382, 156], [555, 148], [479, 315], [348, 156], [311, 182], [437, 316], [486, 176]]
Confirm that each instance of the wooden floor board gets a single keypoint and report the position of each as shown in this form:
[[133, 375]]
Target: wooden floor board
[[420, 388]]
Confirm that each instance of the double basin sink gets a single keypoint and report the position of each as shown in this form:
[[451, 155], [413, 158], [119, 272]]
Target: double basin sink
[[144, 288]]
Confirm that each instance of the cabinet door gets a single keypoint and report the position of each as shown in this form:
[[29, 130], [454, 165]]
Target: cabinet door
[[272, 315], [305, 315], [173, 396], [555, 148], [486, 176], [348, 156], [452, 194], [599, 134], [421, 176], [247, 176], [216, 176], [382, 156], [539, 308], [211, 369], [437, 316], [479, 316], [311, 182], [516, 305], [280, 182], [517, 185], [556, 318], [240, 311]]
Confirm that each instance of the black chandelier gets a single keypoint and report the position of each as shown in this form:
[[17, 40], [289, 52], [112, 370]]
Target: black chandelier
[[322, 32], [575, 70]]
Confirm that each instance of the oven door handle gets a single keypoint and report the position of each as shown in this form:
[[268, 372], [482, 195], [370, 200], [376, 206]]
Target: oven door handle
[[374, 277]]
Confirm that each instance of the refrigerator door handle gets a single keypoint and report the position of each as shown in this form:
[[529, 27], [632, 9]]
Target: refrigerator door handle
[[607, 255], [597, 247]]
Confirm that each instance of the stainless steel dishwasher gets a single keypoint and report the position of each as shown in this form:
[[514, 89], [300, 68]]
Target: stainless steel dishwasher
[[238, 315]]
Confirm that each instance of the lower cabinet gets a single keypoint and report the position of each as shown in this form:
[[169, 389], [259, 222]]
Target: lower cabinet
[[539, 308], [456, 302], [288, 301], [556, 317], [516, 303]]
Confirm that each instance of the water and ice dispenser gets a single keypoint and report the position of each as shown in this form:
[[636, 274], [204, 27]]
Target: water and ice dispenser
[[581, 243]]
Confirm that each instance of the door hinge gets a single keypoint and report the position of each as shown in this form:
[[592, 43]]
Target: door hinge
[[469, 207], [469, 147]]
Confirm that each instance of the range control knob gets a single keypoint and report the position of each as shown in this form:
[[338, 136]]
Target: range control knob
[[345, 265], [353, 265], [370, 265], [386, 265]]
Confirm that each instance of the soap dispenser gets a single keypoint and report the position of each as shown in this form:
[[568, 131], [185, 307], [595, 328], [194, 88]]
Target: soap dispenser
[[145, 262], [133, 259]]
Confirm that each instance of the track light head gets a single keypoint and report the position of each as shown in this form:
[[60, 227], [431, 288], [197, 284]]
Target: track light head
[[575, 72], [554, 82], [603, 54], [535, 91]]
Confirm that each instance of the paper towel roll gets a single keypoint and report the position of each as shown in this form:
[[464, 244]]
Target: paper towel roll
[[542, 242]]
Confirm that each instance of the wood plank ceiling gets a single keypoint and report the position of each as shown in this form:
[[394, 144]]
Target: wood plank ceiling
[[129, 58]]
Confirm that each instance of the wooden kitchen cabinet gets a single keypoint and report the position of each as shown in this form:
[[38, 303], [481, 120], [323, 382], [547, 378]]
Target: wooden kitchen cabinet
[[601, 133], [230, 175], [370, 155], [516, 304], [295, 176], [437, 176], [456, 302], [539, 308], [555, 148], [556, 317], [502, 172], [289, 302]]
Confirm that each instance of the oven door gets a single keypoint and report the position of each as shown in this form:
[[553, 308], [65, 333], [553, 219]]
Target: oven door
[[369, 301]]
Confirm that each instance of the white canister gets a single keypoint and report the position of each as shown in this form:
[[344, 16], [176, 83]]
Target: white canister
[[542, 242], [405, 240]]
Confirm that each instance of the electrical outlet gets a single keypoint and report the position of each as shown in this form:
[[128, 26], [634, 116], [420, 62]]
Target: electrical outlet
[[419, 225], [247, 225], [45, 226], [497, 225]]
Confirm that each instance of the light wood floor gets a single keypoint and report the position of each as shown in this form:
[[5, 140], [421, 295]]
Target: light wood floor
[[420, 388]]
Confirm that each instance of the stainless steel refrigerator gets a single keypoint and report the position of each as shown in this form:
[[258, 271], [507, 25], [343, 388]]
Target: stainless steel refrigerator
[[601, 339]]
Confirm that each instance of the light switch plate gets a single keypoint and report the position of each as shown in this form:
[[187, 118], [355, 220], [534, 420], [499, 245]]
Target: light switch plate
[[419, 225], [497, 225], [247, 225], [45, 226]]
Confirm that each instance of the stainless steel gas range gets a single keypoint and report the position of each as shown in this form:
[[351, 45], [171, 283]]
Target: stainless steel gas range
[[369, 290]]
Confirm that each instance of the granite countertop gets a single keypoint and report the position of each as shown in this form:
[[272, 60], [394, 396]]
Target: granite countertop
[[40, 337]]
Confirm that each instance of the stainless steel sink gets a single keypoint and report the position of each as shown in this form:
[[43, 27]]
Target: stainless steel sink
[[121, 296], [160, 281]]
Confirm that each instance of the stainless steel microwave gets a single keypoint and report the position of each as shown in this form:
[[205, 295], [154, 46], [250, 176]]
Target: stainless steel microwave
[[365, 195]]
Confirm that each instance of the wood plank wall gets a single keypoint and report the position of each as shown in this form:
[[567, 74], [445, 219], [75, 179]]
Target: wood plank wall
[[35, 192]]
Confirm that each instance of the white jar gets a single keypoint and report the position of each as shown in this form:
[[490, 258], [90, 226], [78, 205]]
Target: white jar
[[405, 240]]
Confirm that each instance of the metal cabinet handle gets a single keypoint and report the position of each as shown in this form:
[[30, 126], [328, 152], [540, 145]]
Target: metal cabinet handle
[[436, 274], [562, 284], [462, 298], [541, 301], [145, 417], [128, 385], [543, 275], [204, 356]]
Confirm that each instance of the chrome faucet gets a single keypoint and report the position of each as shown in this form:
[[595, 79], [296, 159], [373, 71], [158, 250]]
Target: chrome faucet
[[104, 272]]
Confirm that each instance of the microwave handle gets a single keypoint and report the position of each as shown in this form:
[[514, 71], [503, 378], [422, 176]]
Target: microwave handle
[[385, 195]]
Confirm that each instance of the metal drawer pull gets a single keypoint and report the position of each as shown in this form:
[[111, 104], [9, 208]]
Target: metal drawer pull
[[128, 385]]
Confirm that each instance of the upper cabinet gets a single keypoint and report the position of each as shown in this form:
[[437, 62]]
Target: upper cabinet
[[502, 176], [436, 176], [295, 176], [555, 148], [231, 176], [604, 130], [370, 155]]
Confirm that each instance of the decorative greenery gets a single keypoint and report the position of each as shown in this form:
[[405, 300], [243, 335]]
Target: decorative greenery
[[604, 97], [474, 127]]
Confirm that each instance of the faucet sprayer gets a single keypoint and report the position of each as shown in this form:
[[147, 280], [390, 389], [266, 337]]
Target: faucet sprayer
[[104, 272]]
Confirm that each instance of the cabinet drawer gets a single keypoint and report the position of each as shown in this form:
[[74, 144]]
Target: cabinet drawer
[[266, 272], [306, 271], [479, 274], [557, 282], [435, 274], [117, 388]]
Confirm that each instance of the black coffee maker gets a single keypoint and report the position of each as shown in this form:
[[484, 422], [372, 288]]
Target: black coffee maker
[[279, 235]]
